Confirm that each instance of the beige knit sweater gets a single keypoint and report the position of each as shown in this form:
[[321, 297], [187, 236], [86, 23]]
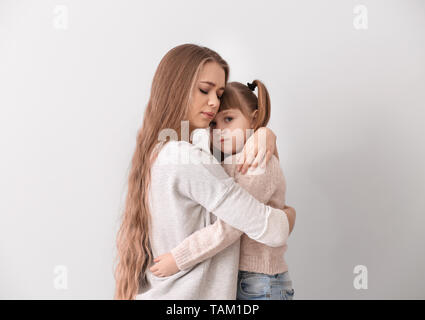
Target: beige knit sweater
[[267, 186]]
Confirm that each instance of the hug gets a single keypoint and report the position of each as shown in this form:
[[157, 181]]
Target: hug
[[217, 228]]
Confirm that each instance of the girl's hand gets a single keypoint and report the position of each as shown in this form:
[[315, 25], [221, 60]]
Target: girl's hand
[[165, 266], [259, 148]]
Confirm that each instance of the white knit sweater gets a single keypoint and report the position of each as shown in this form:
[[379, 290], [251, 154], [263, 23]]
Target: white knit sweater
[[182, 196]]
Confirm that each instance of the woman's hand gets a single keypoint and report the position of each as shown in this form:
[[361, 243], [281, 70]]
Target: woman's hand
[[259, 148], [291, 214], [165, 265]]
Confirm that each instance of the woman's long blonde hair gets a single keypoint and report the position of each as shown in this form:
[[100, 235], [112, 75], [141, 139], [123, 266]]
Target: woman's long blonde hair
[[167, 107]]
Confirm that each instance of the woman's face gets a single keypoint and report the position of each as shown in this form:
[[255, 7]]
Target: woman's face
[[230, 130], [206, 94]]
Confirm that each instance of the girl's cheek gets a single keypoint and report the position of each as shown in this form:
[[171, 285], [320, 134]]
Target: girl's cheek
[[235, 146], [238, 141], [216, 141]]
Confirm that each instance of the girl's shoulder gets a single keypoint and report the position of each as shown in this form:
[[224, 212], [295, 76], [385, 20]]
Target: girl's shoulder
[[272, 167], [262, 183]]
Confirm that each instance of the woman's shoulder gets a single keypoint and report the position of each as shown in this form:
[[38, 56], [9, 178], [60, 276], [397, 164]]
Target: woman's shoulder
[[183, 152]]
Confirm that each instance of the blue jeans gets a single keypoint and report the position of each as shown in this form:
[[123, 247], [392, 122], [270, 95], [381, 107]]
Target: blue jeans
[[260, 286]]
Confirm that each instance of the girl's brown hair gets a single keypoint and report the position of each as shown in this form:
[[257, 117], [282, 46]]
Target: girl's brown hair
[[167, 107], [240, 96]]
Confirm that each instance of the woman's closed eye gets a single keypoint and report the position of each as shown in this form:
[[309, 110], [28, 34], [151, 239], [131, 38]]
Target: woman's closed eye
[[206, 92]]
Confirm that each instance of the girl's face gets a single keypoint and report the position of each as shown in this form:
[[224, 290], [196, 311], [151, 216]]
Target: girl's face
[[230, 130], [205, 96]]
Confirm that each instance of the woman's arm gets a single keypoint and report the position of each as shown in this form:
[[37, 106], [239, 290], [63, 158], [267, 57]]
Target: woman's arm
[[206, 183], [199, 246], [208, 241], [191, 251], [291, 213]]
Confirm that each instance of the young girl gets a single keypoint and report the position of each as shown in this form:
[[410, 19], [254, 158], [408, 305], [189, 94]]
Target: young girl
[[263, 272]]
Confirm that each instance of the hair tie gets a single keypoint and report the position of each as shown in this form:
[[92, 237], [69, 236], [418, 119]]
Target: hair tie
[[251, 85]]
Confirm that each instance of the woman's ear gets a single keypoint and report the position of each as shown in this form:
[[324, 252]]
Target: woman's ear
[[254, 117]]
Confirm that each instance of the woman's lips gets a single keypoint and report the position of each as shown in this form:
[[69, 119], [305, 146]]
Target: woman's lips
[[209, 115]]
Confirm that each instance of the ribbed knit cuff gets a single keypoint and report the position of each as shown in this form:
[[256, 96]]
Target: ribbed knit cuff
[[182, 255]]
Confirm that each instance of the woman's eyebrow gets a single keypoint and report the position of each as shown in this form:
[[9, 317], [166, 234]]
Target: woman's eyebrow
[[212, 84]]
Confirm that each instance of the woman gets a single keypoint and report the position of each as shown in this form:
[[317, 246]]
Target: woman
[[167, 200], [263, 271]]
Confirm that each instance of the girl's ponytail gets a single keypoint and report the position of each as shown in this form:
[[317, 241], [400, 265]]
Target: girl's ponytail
[[263, 104]]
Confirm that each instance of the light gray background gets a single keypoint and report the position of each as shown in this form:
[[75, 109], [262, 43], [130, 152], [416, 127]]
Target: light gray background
[[347, 107]]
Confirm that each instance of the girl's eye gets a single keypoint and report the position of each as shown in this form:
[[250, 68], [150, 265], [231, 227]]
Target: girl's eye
[[228, 118]]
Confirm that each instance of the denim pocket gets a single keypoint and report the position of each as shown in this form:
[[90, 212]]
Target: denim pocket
[[287, 294], [253, 285]]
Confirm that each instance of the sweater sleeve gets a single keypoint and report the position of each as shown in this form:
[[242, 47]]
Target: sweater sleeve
[[204, 180], [204, 244], [208, 241]]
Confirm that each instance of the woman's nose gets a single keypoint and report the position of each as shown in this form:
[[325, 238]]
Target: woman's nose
[[214, 102]]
